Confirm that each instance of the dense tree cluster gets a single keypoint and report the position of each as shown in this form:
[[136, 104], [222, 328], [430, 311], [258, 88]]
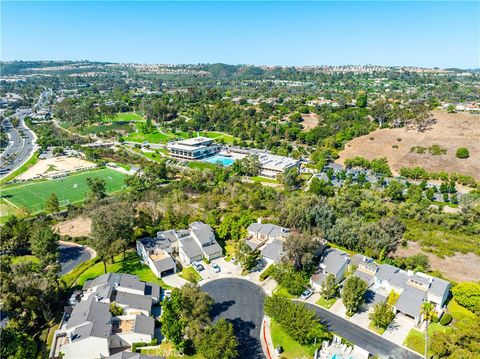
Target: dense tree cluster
[[296, 319], [187, 324]]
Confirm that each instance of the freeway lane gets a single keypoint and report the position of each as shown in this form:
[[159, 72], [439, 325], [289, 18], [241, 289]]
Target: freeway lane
[[365, 339], [21, 147]]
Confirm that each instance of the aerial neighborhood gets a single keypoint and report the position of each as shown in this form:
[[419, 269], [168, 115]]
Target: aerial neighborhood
[[158, 203]]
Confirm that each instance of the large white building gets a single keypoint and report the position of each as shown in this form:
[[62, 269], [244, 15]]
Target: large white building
[[193, 148], [273, 165]]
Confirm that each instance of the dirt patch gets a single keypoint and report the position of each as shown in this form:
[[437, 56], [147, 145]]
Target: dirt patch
[[56, 165], [310, 120], [78, 227], [451, 131], [459, 268]]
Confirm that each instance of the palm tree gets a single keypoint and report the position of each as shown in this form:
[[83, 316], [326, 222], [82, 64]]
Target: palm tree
[[427, 311]]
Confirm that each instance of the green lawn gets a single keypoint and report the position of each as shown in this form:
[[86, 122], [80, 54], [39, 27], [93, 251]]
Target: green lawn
[[228, 139], [32, 195], [32, 160], [292, 349], [283, 292], [25, 258], [130, 265], [152, 155], [7, 210], [152, 137], [326, 303], [376, 329], [190, 274], [124, 117], [264, 179], [198, 165], [100, 129], [416, 340]]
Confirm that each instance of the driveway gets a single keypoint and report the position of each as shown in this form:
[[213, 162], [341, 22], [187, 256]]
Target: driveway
[[398, 330], [241, 302], [226, 269], [72, 256], [365, 339]]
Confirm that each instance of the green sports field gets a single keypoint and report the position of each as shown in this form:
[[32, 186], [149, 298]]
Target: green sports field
[[32, 196]]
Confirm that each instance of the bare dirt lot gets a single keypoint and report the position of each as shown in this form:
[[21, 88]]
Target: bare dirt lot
[[78, 227], [450, 132], [55, 165], [310, 120], [460, 267]]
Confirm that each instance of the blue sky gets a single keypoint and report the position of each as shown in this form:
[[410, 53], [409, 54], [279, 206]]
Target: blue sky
[[443, 34]]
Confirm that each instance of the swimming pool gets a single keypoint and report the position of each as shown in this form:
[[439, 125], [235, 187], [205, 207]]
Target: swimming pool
[[338, 356], [221, 160]]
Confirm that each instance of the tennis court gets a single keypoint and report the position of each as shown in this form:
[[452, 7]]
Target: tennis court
[[32, 196]]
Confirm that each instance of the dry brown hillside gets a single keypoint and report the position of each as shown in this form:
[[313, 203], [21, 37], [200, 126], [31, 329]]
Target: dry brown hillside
[[451, 131]]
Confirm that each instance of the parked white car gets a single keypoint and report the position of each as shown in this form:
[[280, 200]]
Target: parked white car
[[216, 268]]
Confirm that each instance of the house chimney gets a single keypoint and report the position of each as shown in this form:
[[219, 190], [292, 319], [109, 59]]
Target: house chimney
[[96, 297], [364, 259], [259, 220]]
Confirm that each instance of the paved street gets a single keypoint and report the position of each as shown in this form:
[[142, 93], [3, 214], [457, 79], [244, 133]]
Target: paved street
[[21, 145], [365, 339], [72, 256], [241, 302]]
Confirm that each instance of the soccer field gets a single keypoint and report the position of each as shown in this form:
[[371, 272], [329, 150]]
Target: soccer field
[[71, 189]]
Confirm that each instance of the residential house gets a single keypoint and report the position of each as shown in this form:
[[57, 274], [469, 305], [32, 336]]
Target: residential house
[[130, 355], [332, 261], [198, 242], [268, 238], [414, 289], [156, 252], [192, 244], [89, 330]]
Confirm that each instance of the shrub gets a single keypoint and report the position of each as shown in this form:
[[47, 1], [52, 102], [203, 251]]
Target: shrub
[[137, 345], [446, 319], [435, 319], [463, 152], [267, 272], [467, 294]]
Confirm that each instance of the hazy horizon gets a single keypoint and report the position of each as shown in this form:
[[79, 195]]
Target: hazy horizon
[[418, 34]]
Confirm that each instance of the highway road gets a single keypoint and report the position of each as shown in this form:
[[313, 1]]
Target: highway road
[[21, 139], [20, 147]]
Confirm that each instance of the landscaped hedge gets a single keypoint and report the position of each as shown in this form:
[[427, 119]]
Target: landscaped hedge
[[267, 272], [446, 319]]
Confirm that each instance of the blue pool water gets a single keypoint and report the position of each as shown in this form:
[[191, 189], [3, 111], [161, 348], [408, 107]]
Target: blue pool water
[[338, 356], [221, 160]]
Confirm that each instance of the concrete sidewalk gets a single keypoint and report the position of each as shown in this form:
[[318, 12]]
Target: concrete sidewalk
[[266, 339]]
